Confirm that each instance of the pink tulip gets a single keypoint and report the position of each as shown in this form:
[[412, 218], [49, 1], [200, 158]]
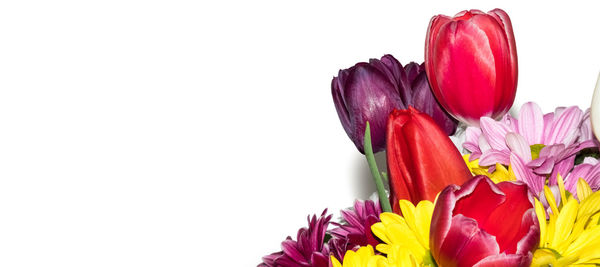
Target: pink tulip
[[471, 63], [484, 224]]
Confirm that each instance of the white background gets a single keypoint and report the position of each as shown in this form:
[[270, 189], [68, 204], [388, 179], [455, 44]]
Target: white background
[[180, 133]]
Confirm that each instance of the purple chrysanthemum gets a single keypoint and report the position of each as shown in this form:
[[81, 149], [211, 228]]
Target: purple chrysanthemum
[[356, 232], [536, 145], [308, 250]]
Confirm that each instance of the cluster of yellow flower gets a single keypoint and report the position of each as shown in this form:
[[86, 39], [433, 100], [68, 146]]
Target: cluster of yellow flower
[[569, 229]]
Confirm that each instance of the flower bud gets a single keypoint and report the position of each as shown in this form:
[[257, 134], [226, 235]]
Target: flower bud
[[421, 159]]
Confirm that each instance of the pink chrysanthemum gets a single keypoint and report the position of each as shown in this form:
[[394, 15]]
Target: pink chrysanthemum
[[356, 232], [308, 250], [536, 145], [589, 171]]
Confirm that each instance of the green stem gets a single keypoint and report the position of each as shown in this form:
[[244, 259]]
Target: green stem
[[383, 199]]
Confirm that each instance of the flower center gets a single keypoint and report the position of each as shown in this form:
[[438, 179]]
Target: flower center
[[535, 150]]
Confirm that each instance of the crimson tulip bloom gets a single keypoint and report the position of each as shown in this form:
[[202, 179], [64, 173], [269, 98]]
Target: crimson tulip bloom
[[484, 224], [421, 159], [471, 63]]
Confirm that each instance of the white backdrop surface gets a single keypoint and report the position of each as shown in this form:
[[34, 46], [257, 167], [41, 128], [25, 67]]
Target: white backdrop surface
[[184, 133]]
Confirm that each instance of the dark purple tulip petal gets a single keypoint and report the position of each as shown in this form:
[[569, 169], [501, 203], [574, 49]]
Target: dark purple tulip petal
[[413, 70], [338, 101], [370, 91]]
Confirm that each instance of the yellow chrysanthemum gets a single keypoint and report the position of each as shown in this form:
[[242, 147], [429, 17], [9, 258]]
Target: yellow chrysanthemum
[[363, 257], [406, 238], [500, 174], [571, 233]]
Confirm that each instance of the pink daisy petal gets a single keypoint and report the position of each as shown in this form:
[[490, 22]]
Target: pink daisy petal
[[495, 133], [531, 123], [519, 146]]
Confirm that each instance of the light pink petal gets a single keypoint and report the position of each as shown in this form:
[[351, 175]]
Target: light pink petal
[[483, 144], [491, 157], [575, 148], [525, 174], [571, 136], [593, 177], [562, 167], [548, 121], [511, 122], [551, 150], [558, 111], [474, 156], [536, 162], [495, 133], [546, 167], [568, 120], [472, 135], [586, 127], [531, 123], [580, 171], [519, 146], [590, 160]]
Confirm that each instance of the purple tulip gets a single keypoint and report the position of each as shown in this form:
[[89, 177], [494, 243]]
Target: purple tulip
[[370, 91]]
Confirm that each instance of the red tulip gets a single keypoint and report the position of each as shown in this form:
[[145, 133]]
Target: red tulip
[[471, 63], [484, 224], [422, 160]]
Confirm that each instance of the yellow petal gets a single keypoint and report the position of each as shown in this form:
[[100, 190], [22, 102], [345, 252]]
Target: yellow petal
[[583, 189], [541, 215], [379, 231], [388, 218], [561, 188], [564, 225], [423, 221], [408, 212], [551, 202]]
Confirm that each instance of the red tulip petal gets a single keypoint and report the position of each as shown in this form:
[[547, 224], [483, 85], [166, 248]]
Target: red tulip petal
[[504, 260], [466, 243], [441, 219], [511, 214], [465, 226], [471, 63], [478, 198], [504, 20], [422, 159], [531, 231]]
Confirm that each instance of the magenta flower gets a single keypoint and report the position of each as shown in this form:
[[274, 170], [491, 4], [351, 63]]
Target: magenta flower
[[357, 230], [484, 224], [511, 141], [308, 250]]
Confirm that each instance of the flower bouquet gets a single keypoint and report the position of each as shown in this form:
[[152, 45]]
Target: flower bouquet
[[467, 184]]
